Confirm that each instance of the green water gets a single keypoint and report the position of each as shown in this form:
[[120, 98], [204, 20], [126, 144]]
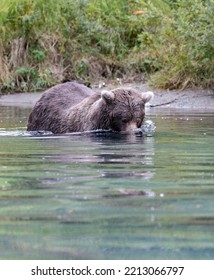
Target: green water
[[108, 196]]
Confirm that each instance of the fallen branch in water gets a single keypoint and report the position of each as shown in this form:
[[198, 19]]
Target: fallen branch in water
[[165, 103]]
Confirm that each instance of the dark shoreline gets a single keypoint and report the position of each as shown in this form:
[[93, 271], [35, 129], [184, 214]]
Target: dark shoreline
[[188, 99]]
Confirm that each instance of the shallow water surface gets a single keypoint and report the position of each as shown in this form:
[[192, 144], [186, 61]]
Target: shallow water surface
[[108, 196]]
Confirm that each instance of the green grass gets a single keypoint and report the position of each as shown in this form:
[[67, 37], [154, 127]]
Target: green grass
[[170, 43]]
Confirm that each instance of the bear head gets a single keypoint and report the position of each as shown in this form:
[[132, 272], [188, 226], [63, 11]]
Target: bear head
[[126, 108]]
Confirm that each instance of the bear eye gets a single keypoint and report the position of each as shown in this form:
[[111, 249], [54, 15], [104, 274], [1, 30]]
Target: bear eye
[[125, 120]]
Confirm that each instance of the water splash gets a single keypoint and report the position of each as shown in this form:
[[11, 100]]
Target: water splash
[[23, 133], [148, 128]]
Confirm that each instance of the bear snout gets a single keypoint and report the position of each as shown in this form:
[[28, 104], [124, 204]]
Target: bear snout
[[132, 125]]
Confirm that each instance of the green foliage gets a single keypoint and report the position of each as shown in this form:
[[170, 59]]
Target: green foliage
[[38, 55], [178, 43], [44, 42]]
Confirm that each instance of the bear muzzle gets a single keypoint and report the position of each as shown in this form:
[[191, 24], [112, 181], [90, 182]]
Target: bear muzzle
[[130, 126]]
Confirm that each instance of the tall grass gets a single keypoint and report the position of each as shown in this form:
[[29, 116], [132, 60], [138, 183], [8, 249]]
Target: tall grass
[[171, 42]]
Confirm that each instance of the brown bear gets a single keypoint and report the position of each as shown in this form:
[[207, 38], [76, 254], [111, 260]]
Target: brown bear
[[73, 107]]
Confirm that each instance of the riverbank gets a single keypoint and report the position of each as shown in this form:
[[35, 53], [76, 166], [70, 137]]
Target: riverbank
[[43, 43], [188, 99]]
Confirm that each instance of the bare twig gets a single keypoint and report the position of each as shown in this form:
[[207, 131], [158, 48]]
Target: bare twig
[[165, 103]]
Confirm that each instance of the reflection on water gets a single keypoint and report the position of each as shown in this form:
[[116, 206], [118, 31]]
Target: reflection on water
[[106, 196]]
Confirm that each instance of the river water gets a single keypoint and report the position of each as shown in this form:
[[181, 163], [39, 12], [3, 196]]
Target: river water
[[108, 196]]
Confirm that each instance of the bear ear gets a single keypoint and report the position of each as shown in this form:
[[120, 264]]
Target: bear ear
[[147, 96], [107, 96]]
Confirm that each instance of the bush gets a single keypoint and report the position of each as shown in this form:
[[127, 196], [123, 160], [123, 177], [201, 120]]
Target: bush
[[177, 43], [42, 43]]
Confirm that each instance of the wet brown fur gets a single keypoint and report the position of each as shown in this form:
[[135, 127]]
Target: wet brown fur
[[73, 107]]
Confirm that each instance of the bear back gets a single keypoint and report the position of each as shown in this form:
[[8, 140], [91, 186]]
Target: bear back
[[50, 108]]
